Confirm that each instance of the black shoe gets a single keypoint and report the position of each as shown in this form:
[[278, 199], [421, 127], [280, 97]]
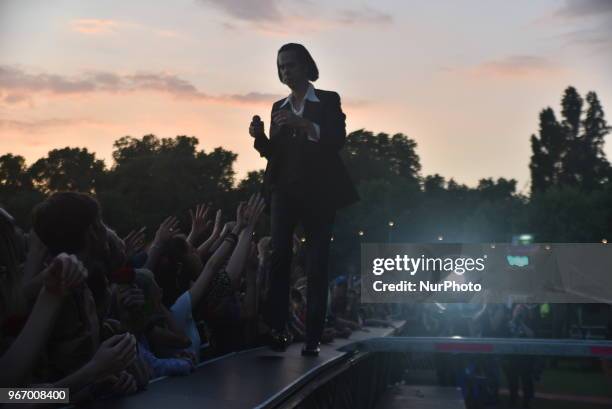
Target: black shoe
[[279, 340], [311, 349]]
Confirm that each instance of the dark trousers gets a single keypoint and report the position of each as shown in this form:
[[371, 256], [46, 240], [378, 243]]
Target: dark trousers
[[317, 221]]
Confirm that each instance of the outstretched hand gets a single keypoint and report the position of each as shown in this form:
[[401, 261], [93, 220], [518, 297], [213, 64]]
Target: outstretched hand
[[134, 241], [255, 207], [248, 213], [199, 222], [166, 230]]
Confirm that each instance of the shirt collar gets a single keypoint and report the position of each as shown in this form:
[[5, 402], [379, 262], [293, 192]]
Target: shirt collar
[[310, 96]]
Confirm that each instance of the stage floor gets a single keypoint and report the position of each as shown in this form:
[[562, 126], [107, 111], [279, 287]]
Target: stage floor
[[246, 379]]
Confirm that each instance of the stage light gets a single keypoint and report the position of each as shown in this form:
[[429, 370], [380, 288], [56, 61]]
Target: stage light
[[360, 233], [604, 241], [440, 238], [391, 224]]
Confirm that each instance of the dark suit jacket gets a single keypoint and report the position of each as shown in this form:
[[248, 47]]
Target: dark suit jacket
[[323, 179]]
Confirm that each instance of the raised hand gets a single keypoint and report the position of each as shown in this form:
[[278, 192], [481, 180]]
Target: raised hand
[[255, 207], [166, 230], [199, 222], [63, 274], [134, 241]]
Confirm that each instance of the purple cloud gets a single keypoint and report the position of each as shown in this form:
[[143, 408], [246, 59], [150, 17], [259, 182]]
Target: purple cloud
[[17, 85]]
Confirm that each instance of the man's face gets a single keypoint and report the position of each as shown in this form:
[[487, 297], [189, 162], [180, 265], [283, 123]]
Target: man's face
[[292, 71]]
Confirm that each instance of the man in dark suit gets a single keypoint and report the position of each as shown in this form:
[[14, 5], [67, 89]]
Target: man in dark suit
[[305, 181]]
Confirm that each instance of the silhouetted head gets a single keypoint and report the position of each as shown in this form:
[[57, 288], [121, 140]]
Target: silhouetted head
[[66, 220], [295, 65], [179, 265]]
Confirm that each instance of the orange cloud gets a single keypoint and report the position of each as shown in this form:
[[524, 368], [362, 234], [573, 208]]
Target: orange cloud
[[94, 26], [44, 125], [518, 66]]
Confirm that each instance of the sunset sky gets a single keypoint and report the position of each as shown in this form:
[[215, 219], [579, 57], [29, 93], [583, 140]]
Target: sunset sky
[[465, 79]]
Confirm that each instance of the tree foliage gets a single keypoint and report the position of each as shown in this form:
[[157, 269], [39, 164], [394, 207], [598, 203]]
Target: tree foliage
[[570, 152]]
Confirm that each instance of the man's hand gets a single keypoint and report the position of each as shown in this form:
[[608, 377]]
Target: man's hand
[[256, 129], [287, 117]]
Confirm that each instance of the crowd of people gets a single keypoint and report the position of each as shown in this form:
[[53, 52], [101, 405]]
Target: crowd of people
[[84, 309]]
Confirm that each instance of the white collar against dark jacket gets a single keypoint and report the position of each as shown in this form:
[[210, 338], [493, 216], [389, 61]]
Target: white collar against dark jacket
[[309, 96]]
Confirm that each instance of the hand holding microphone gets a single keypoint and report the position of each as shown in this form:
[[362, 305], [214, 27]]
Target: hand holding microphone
[[256, 129]]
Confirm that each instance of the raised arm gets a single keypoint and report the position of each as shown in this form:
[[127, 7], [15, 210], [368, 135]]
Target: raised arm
[[235, 266], [207, 245], [62, 275], [166, 230], [199, 223], [215, 261]]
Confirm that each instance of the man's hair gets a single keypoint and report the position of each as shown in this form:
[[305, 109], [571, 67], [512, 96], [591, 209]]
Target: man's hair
[[63, 220], [304, 57]]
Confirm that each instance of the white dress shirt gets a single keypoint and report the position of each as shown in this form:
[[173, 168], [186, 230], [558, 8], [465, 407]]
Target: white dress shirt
[[309, 96]]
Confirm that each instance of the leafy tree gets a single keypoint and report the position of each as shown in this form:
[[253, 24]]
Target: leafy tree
[[595, 169], [369, 156], [17, 195], [160, 177], [67, 169], [13, 173], [501, 190], [251, 183], [570, 152]]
